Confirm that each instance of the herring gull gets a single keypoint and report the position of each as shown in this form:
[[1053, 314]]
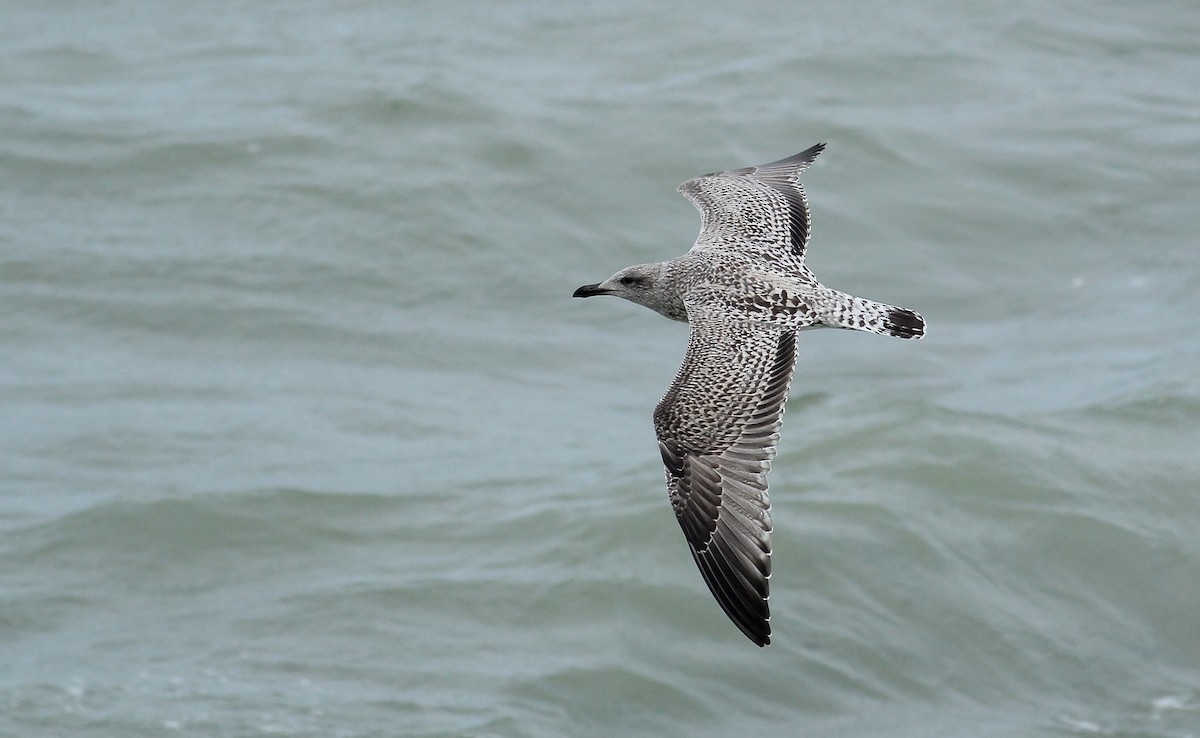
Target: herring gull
[[745, 291]]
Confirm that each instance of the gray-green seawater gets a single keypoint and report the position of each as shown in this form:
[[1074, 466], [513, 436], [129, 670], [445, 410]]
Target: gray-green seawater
[[302, 434]]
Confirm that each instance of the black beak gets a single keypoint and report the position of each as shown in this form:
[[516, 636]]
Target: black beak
[[589, 290]]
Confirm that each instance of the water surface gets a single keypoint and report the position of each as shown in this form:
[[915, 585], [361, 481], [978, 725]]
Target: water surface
[[302, 434]]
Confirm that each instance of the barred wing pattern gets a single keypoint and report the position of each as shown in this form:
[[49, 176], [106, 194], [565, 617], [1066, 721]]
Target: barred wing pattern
[[745, 291], [717, 427], [759, 210]]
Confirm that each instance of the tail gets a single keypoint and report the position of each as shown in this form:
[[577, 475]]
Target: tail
[[839, 310]]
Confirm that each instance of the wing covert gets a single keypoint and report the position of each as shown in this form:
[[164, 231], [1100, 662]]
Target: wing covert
[[717, 427], [761, 210]]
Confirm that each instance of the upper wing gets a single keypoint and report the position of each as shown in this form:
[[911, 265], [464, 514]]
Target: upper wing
[[717, 429], [761, 210]]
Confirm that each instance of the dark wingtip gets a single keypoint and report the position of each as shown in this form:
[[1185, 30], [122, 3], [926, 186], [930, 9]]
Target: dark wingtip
[[759, 632], [904, 323], [801, 161], [810, 153]]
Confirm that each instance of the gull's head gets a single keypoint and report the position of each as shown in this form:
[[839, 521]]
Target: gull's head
[[644, 284]]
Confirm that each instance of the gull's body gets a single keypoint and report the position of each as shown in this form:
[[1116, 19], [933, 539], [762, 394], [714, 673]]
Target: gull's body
[[745, 291]]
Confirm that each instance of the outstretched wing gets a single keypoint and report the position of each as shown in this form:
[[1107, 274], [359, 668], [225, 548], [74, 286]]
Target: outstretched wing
[[760, 210], [717, 429]]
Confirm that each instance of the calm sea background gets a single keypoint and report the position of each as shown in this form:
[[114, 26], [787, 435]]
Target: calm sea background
[[302, 434]]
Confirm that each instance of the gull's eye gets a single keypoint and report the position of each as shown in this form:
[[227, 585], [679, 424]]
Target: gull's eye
[[629, 281]]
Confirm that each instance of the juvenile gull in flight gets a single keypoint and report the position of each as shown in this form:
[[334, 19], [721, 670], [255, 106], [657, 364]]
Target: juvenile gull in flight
[[745, 291]]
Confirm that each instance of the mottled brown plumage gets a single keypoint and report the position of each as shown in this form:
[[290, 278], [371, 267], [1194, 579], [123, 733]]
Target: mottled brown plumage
[[745, 291]]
